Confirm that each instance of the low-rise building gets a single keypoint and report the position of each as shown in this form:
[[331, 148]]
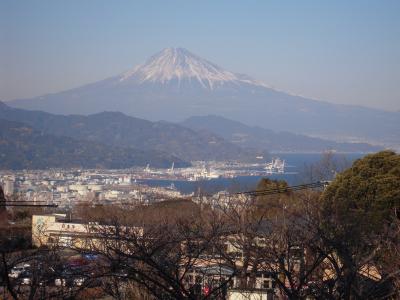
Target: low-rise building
[[56, 230]]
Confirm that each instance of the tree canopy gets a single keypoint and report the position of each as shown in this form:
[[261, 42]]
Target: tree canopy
[[368, 193]]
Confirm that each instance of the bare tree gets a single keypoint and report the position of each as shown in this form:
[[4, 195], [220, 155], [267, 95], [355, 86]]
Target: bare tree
[[325, 169], [160, 253]]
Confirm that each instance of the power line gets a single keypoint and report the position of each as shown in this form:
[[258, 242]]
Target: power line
[[22, 203], [25, 201], [264, 192], [280, 190], [27, 205], [277, 190]]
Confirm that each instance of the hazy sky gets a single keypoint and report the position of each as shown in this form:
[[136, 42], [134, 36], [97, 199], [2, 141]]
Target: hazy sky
[[339, 51]]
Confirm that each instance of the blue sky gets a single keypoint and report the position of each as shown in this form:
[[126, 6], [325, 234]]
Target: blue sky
[[339, 51]]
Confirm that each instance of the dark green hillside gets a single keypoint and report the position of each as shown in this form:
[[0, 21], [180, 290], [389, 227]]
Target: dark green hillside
[[22, 147], [121, 130]]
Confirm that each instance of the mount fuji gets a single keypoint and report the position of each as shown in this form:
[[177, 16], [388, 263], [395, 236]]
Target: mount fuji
[[175, 84]]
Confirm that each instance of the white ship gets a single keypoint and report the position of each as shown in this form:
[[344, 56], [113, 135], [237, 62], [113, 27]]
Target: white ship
[[277, 165]]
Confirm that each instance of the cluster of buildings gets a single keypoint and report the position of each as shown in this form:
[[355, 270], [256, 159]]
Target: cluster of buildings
[[201, 170], [207, 273], [68, 187]]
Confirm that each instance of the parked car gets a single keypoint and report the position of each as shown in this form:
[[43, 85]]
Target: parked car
[[26, 277], [70, 277], [18, 270]]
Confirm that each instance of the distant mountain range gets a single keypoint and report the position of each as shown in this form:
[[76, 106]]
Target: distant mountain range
[[22, 147], [117, 129], [176, 84], [242, 135], [115, 140]]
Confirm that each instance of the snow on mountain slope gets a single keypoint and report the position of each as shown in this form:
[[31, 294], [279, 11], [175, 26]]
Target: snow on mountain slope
[[180, 64]]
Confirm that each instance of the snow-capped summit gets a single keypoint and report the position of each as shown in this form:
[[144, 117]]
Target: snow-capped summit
[[179, 64]]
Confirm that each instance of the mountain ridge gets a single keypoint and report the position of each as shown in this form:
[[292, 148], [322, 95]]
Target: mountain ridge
[[174, 98], [118, 129], [193, 141], [23, 147], [257, 137]]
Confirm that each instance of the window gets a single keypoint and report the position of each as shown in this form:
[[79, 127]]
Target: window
[[267, 284]]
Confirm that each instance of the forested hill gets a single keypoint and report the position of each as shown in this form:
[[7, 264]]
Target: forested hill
[[120, 130], [22, 147]]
